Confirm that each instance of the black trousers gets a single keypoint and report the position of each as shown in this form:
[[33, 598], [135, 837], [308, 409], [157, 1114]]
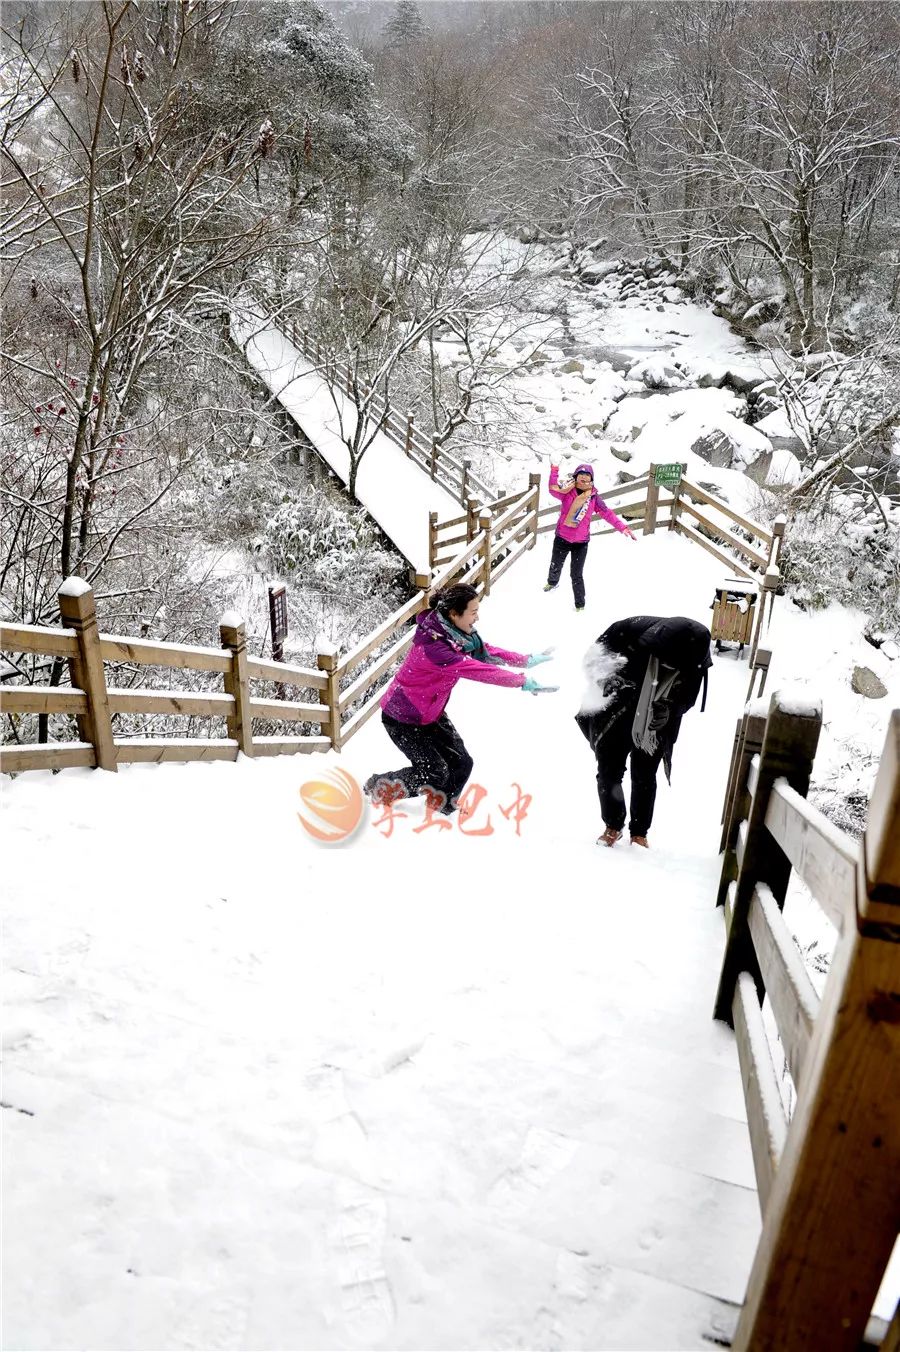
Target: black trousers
[[562, 549], [612, 752], [439, 758]]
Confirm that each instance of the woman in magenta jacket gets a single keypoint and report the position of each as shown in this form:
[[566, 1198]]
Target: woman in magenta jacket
[[445, 649], [580, 503]]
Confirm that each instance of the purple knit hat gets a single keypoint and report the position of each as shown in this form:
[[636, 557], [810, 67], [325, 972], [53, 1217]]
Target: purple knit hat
[[583, 469]]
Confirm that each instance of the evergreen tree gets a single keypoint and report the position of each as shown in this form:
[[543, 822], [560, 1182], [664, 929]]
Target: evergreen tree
[[404, 27]]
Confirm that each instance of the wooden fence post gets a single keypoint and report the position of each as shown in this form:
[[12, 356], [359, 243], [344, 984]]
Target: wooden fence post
[[676, 499], [464, 487], [432, 539], [420, 582], [410, 423], [775, 548], [78, 612], [534, 483], [484, 523], [748, 740], [237, 682], [768, 587], [471, 520], [326, 660], [761, 663], [651, 503], [434, 456], [788, 749], [834, 1207]]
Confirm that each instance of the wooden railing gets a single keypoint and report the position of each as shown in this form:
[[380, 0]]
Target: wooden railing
[[478, 547], [452, 472], [829, 1181], [345, 696]]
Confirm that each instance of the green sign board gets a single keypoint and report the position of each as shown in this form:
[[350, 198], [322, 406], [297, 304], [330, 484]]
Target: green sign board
[[669, 475]]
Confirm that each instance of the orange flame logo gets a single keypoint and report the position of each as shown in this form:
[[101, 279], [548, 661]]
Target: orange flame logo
[[333, 806]]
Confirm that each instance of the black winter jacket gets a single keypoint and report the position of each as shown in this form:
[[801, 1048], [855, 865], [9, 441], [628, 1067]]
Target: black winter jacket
[[678, 643]]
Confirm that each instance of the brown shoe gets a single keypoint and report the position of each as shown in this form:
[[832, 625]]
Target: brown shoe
[[640, 840], [609, 837]]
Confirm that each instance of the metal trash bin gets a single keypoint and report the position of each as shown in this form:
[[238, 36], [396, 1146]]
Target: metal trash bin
[[733, 610]]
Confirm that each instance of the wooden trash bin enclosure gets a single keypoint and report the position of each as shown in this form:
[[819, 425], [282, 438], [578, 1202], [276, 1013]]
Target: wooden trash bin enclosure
[[733, 610]]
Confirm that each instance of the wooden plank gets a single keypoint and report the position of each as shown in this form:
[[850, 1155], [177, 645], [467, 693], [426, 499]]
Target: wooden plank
[[882, 837], [259, 669], [823, 856], [729, 905], [619, 490], [42, 699], [130, 750], [362, 716], [792, 997], [289, 746], [712, 501], [740, 844], [146, 652], [766, 1118], [46, 756], [701, 540], [209, 703], [788, 748], [510, 559], [382, 633], [442, 576], [288, 710], [35, 638], [518, 505], [831, 1220], [753, 776], [387, 660], [734, 540]]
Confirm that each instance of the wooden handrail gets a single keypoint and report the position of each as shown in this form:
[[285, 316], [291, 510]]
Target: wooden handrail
[[730, 539], [382, 633], [711, 501], [710, 548], [823, 856], [147, 652], [842, 1051], [32, 638]]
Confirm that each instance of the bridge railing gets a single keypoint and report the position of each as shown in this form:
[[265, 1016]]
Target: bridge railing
[[828, 1180], [452, 472]]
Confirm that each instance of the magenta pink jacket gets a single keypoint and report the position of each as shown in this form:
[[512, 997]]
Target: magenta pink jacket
[[577, 535], [421, 688]]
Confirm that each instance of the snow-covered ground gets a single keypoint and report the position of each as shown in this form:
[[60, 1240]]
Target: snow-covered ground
[[417, 1091]]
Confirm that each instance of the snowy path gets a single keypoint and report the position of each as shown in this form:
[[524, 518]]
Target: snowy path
[[408, 1093], [402, 513]]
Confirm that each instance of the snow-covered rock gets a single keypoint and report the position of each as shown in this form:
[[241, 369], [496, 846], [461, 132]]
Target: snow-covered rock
[[593, 273]]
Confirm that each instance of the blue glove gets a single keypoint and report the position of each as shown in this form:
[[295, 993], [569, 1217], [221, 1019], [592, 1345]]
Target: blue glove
[[533, 688], [537, 658]]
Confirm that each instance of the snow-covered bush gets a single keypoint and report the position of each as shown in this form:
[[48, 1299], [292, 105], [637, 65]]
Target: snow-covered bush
[[839, 552], [311, 537]]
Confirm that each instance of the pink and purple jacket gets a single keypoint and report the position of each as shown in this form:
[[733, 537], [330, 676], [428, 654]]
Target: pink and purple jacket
[[421, 688], [595, 506]]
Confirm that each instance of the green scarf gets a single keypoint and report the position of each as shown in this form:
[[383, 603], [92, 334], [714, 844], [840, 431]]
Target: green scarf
[[471, 644]]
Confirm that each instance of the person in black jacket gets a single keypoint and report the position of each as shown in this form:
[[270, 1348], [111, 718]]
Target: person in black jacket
[[644, 673]]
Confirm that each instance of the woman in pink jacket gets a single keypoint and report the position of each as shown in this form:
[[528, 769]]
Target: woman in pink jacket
[[580, 503], [446, 647]]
